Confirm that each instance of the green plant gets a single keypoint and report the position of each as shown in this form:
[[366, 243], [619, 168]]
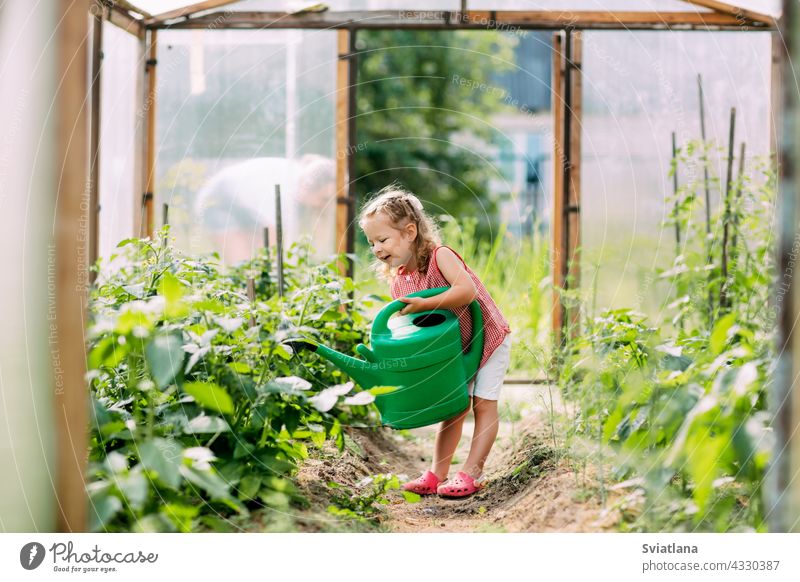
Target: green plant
[[362, 506], [680, 407], [199, 408]]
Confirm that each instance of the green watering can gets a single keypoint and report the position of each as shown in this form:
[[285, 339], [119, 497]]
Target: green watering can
[[421, 353]]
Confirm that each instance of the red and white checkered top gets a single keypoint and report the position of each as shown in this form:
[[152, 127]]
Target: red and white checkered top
[[495, 326]]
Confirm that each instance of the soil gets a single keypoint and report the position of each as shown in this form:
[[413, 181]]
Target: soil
[[531, 486]]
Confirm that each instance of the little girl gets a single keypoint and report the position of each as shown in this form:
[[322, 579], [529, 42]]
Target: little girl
[[411, 257]]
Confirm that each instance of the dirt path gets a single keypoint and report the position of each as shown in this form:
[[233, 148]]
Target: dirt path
[[529, 489]]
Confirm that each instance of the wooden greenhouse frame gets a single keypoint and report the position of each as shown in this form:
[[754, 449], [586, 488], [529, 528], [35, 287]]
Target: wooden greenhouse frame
[[702, 15]]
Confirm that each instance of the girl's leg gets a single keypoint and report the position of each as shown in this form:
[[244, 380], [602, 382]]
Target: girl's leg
[[486, 426], [447, 438]]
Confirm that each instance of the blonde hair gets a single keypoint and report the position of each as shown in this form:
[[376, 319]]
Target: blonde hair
[[403, 208]]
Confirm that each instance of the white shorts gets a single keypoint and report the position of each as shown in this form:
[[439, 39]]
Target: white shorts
[[489, 379]]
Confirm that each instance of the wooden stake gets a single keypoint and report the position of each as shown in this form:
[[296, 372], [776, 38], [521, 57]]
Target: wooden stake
[[675, 195], [675, 191], [709, 258], [251, 296], [573, 183], [726, 217], [279, 239], [705, 157], [738, 208], [558, 256]]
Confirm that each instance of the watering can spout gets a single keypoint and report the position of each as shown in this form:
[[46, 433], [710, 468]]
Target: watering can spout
[[363, 372]]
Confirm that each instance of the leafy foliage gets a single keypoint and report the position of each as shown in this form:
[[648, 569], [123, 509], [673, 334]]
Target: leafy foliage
[[681, 411], [361, 506], [199, 410]]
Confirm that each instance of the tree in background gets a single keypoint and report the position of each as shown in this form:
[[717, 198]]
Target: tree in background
[[417, 91]]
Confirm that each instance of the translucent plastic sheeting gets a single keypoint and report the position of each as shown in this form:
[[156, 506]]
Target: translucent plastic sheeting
[[238, 113], [118, 123], [159, 6], [343, 5], [637, 89], [627, 5], [772, 7]]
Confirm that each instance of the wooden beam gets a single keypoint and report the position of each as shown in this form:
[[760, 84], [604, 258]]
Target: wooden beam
[[557, 252], [187, 11], [140, 140], [345, 135], [94, 142], [129, 7], [71, 147], [776, 94], [118, 17], [473, 19], [148, 197], [783, 494], [572, 220], [744, 16], [567, 57], [351, 159]]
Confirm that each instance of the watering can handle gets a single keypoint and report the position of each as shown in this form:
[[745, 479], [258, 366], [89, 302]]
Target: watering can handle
[[472, 357]]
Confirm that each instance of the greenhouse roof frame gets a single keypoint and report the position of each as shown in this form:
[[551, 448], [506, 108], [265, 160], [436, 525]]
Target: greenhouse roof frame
[[213, 14]]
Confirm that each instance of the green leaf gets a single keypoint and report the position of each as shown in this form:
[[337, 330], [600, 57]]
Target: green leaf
[[719, 335], [172, 290], [180, 515], [272, 465], [206, 424], [154, 523], [127, 241], [411, 497], [111, 428], [163, 457], [249, 487], [216, 524], [241, 367], [103, 506], [135, 487], [282, 352], [211, 396], [378, 390], [107, 353], [274, 498], [165, 358], [207, 480], [116, 462], [242, 449]]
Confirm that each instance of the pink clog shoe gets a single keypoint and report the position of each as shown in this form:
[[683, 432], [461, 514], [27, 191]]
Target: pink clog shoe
[[423, 485], [461, 485]]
